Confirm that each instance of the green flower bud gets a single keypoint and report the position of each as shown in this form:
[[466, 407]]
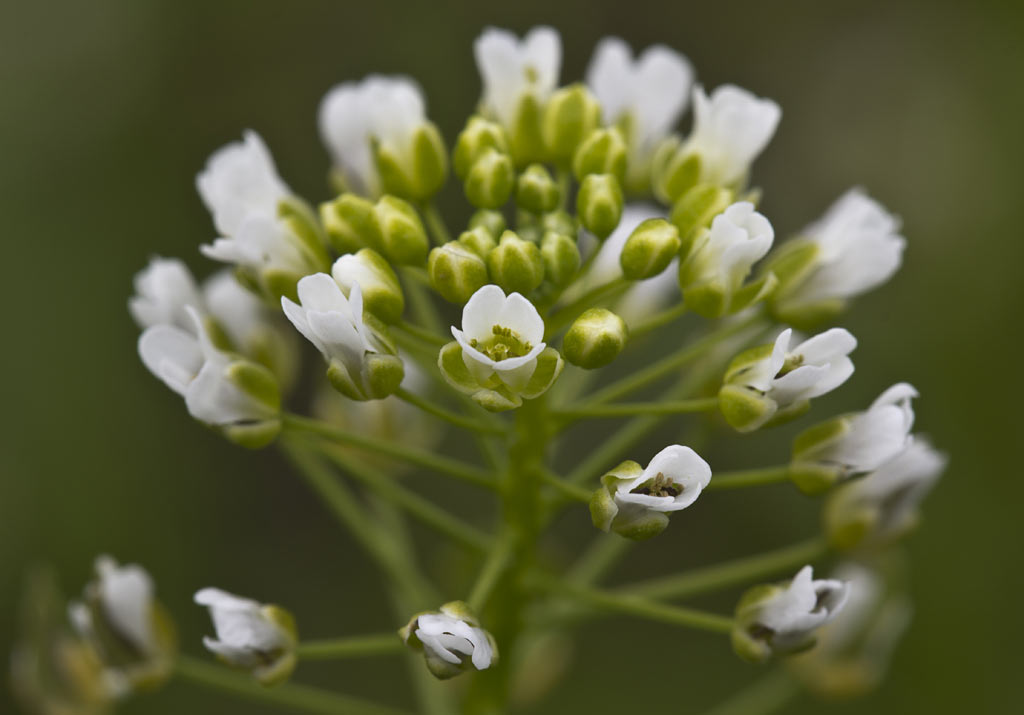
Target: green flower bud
[[604, 151], [516, 265], [403, 238], [536, 191], [382, 293], [561, 258], [571, 115], [561, 222], [696, 209], [649, 249], [490, 180], [525, 141], [478, 136], [595, 339], [599, 204], [302, 221], [479, 240], [381, 375], [492, 220], [674, 170], [456, 272], [419, 173], [351, 223]]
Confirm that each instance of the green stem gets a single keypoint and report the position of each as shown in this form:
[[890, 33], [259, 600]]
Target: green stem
[[495, 565], [435, 223], [421, 300], [748, 478], [377, 542], [441, 465], [730, 573], [290, 696], [762, 697], [665, 317], [423, 509], [351, 647], [565, 315], [638, 606], [427, 336], [571, 491], [670, 363], [467, 423], [598, 559], [633, 409]]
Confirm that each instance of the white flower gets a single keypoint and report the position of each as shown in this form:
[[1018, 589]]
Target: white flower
[[163, 290], [240, 181], [724, 255], [869, 439], [261, 243], [354, 115], [249, 634], [124, 595], [450, 638], [859, 248], [332, 322], [730, 129], [512, 69], [646, 95], [194, 368], [673, 480], [787, 618], [500, 336], [886, 500], [236, 309], [810, 369]]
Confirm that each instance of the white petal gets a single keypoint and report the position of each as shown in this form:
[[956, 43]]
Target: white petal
[[126, 593], [171, 354], [519, 314], [480, 314]]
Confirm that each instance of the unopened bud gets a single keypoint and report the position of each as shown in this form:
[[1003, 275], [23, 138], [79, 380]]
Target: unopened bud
[[674, 170], [599, 204], [490, 219], [479, 240], [516, 265], [649, 249], [536, 191], [382, 293], [595, 339], [561, 258], [391, 227], [418, 173], [456, 272], [490, 179], [478, 136], [571, 115], [604, 151]]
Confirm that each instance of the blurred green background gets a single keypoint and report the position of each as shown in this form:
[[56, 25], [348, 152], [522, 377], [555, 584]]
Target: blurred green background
[[109, 110]]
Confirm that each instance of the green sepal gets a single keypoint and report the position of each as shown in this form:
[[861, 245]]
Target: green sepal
[[847, 526], [695, 211], [383, 295], [454, 370], [281, 667], [516, 265], [561, 258], [497, 399], [604, 151], [745, 409], [792, 263], [571, 114], [256, 381], [788, 414], [639, 524], [745, 360], [403, 239], [429, 161], [526, 143], [707, 299], [753, 292], [549, 367], [490, 180], [595, 339], [381, 376], [351, 224], [478, 135], [303, 223], [255, 435], [276, 283], [599, 204], [814, 478], [675, 174], [649, 249], [807, 316], [456, 272], [813, 439], [536, 191]]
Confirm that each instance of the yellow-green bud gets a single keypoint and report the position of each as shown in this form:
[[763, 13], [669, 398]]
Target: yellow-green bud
[[524, 134], [351, 223], [403, 238], [536, 191], [492, 220], [604, 151], [419, 173], [571, 115], [516, 265], [382, 293], [674, 170], [561, 258], [599, 204], [456, 272], [696, 209], [479, 240], [478, 136], [560, 221], [649, 249], [490, 179], [595, 339]]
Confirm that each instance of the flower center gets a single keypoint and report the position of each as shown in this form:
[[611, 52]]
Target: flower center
[[792, 362], [660, 486], [504, 343]]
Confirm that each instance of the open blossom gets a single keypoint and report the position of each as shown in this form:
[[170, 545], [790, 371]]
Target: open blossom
[[645, 95], [812, 368], [782, 618], [260, 243], [250, 635], [190, 364], [237, 310], [451, 640], [500, 336], [730, 129], [240, 181], [864, 441], [163, 291], [859, 248], [512, 69], [882, 505], [724, 255], [355, 115]]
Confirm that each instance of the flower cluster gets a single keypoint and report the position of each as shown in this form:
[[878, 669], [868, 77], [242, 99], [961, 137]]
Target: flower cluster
[[594, 227]]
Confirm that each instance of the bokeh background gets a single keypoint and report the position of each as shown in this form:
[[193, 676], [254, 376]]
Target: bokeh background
[[109, 110]]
